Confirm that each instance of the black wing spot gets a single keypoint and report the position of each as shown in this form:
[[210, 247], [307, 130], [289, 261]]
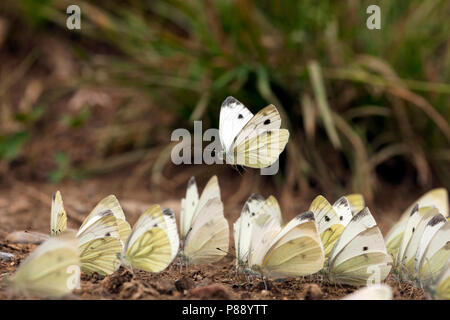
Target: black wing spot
[[327, 218], [341, 218], [253, 214], [365, 248], [414, 229], [108, 234], [240, 116], [267, 122]]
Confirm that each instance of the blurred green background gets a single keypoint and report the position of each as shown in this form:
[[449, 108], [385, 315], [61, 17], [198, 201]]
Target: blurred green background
[[364, 107]]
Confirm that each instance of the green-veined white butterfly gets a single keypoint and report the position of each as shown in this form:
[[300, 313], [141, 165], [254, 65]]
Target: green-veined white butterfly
[[254, 207], [359, 256], [51, 270], [203, 228], [434, 198], [153, 241], [290, 251], [98, 236]]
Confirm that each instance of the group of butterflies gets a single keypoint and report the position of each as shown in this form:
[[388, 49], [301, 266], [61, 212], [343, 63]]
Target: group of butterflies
[[341, 241]]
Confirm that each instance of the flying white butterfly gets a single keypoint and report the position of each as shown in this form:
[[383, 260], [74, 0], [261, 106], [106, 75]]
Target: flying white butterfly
[[204, 231], [254, 141]]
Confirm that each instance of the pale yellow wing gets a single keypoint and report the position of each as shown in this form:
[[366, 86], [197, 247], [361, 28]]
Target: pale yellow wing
[[356, 201], [58, 216], [110, 203], [103, 225], [359, 256], [149, 247], [296, 251], [101, 255], [328, 222], [150, 252], [435, 198], [443, 284], [208, 240], [51, 270]]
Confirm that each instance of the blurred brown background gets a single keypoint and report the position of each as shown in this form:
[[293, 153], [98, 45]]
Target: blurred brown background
[[91, 111]]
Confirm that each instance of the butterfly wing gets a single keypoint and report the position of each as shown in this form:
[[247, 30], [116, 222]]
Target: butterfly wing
[[436, 255], [433, 226], [435, 198], [296, 250], [233, 117], [149, 248], [102, 225], [406, 262], [359, 253], [328, 222], [260, 142], [357, 202], [344, 210], [242, 228], [58, 216], [47, 271], [188, 206], [112, 204], [172, 232], [443, 284], [208, 240], [101, 255]]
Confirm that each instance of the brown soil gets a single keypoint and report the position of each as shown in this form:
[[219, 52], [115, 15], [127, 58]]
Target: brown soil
[[25, 206]]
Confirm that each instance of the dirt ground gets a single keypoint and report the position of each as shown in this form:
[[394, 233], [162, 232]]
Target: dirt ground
[[26, 206]]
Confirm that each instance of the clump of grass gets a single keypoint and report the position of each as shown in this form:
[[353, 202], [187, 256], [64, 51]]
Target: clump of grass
[[356, 101]]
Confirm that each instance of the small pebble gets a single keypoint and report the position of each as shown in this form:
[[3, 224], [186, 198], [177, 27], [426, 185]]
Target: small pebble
[[211, 291], [27, 237], [313, 292], [5, 256], [265, 293]]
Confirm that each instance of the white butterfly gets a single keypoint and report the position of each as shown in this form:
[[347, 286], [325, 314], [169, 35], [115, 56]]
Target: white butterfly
[[290, 251], [433, 250], [359, 256], [417, 234], [254, 141], [99, 235], [440, 287], [437, 198], [254, 207], [51, 270], [203, 227], [153, 241], [331, 220]]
